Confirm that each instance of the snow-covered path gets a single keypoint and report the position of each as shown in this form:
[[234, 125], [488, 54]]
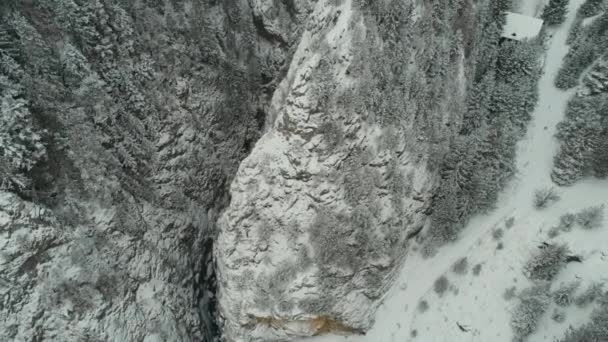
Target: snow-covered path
[[476, 301]]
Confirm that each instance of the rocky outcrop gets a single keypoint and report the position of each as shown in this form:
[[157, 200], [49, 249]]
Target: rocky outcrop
[[322, 208]]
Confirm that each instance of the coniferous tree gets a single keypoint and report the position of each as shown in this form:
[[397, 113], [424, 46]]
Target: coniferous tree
[[590, 8], [555, 12]]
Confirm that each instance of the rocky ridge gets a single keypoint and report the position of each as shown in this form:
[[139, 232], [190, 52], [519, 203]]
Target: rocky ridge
[[322, 209]]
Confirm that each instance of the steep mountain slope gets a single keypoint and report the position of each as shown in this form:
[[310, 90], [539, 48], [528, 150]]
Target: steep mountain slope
[[308, 151], [122, 122], [473, 290], [386, 125]]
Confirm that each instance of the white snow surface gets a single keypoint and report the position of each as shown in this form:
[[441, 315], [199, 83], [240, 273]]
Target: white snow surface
[[477, 302], [532, 8], [521, 27]]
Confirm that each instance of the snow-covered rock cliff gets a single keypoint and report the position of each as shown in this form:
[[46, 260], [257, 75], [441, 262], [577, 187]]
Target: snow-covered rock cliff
[[322, 209], [302, 145]]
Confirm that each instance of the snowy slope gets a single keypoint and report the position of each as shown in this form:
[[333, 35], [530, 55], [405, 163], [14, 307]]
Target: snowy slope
[[532, 8], [476, 301]]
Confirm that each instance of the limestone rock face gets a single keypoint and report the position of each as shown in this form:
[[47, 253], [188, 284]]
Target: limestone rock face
[[322, 208]]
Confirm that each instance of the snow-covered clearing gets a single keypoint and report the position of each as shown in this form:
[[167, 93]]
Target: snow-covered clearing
[[476, 301], [531, 7]]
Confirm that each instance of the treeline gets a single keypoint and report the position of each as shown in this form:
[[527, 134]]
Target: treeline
[[584, 132], [502, 94], [105, 78]]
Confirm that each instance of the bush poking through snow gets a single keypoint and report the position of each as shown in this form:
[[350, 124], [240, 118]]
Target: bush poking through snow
[[533, 303], [591, 218], [547, 263], [510, 222], [564, 295], [591, 293], [509, 293], [441, 285], [423, 306], [554, 232], [477, 269], [558, 316], [497, 234], [596, 330], [545, 197], [461, 266], [566, 222]]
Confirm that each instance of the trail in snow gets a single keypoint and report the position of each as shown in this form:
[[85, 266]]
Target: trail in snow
[[476, 302]]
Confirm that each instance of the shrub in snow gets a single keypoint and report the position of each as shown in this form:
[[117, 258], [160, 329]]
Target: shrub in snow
[[441, 285], [555, 11], [554, 232], [566, 221], [510, 222], [591, 293], [558, 316], [509, 293], [497, 234], [423, 306], [563, 296], [591, 218], [461, 266], [596, 330], [533, 303], [477, 269], [547, 262], [545, 197]]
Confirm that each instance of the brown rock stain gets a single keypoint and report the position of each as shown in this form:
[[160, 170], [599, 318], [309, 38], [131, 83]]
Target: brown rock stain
[[319, 325]]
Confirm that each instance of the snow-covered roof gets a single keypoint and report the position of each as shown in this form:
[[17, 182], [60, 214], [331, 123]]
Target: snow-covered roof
[[520, 27]]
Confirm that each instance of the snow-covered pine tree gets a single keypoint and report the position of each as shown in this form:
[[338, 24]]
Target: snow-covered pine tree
[[555, 12], [590, 8], [533, 303], [599, 158], [575, 31], [547, 262], [21, 145]]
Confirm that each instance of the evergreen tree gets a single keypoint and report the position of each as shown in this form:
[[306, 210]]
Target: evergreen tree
[[21, 145], [555, 12], [590, 8]]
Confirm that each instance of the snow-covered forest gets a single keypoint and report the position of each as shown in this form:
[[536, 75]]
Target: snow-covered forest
[[333, 170]]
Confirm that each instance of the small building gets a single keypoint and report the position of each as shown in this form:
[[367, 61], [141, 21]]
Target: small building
[[521, 27]]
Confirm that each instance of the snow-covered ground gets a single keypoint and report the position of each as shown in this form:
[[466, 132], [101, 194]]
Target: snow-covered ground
[[530, 7], [476, 301]]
